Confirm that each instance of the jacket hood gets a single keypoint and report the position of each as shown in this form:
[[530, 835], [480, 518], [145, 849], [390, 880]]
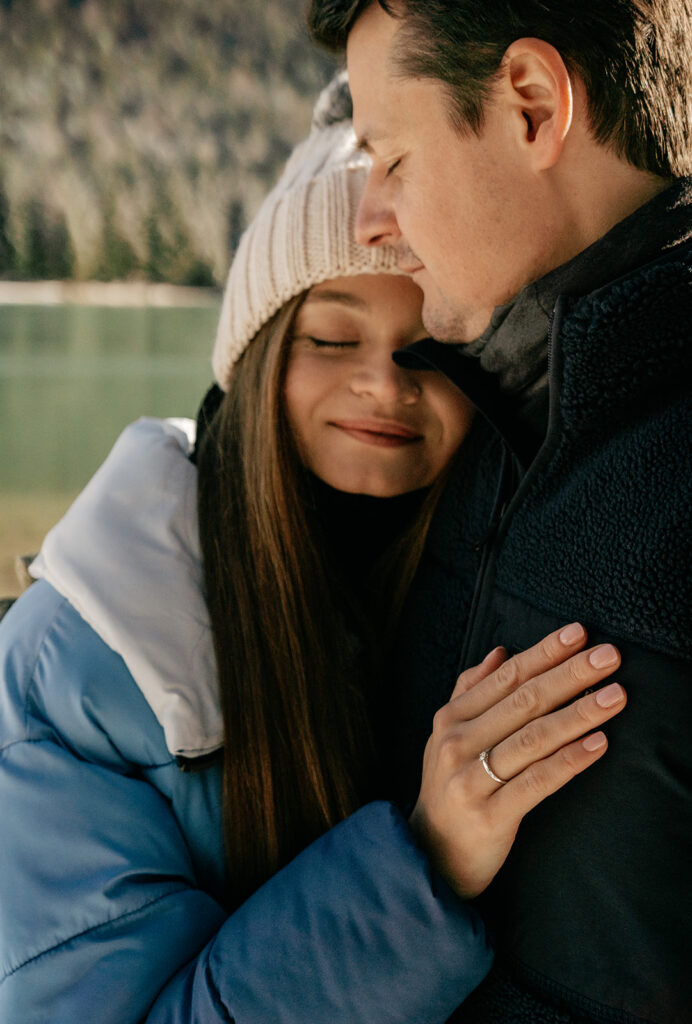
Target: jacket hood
[[127, 556]]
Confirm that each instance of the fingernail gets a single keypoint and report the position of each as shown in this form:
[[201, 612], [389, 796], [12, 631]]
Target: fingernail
[[571, 634], [610, 695], [493, 653], [594, 742], [603, 656]]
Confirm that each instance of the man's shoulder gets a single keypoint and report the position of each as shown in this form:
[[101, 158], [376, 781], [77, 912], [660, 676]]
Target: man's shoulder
[[630, 339], [670, 271]]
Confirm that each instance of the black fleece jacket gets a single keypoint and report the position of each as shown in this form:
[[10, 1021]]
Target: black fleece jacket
[[593, 907]]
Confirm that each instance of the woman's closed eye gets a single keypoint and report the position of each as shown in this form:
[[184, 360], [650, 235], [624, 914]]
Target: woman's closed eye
[[327, 343]]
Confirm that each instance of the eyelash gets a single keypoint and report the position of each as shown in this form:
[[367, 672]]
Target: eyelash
[[321, 343], [393, 167]]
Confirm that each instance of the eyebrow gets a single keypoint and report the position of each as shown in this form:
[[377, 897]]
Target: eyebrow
[[364, 141], [333, 295]]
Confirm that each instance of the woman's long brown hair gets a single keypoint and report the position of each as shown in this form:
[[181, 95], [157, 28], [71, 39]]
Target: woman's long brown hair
[[298, 751]]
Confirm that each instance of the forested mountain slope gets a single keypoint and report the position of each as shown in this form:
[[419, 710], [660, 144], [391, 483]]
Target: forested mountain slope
[[137, 136]]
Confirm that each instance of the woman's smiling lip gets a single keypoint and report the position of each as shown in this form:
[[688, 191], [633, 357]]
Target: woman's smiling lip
[[383, 433]]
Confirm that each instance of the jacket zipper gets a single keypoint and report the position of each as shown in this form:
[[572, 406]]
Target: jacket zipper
[[511, 490], [506, 485]]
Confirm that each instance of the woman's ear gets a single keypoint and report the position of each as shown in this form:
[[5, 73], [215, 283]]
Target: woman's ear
[[538, 87]]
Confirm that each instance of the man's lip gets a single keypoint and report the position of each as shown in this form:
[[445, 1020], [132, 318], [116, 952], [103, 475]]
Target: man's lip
[[407, 261], [383, 432]]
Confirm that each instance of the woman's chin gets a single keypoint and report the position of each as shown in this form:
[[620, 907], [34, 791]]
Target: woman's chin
[[370, 486]]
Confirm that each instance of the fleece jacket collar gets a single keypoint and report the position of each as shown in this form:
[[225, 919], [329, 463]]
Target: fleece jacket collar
[[513, 347]]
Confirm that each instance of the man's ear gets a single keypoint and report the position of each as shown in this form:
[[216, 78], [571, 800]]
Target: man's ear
[[539, 89]]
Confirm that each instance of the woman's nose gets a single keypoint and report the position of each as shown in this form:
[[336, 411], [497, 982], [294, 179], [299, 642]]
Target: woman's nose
[[384, 381]]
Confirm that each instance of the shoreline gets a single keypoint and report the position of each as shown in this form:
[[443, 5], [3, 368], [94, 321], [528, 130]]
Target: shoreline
[[105, 293], [27, 518]]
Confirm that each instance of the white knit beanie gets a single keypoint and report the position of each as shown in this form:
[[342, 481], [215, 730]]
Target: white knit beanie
[[303, 232]]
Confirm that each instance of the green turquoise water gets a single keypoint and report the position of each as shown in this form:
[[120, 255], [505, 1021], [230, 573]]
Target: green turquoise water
[[71, 377]]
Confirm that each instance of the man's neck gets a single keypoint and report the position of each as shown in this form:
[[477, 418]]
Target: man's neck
[[590, 188], [602, 199]]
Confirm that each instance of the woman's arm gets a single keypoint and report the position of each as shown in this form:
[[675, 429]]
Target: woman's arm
[[394, 946], [104, 915], [357, 928], [105, 912]]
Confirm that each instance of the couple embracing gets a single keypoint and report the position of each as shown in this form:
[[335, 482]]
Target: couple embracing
[[291, 679]]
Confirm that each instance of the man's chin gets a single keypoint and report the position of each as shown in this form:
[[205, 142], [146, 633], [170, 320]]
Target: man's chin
[[445, 323]]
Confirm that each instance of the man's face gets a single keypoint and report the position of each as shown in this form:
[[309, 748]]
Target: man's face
[[463, 211]]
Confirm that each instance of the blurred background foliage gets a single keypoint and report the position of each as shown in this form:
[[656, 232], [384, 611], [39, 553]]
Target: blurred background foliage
[[137, 137]]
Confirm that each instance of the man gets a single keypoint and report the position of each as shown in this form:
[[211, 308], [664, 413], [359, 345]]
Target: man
[[529, 164]]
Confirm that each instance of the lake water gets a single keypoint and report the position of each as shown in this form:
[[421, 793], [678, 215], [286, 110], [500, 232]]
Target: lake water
[[71, 377]]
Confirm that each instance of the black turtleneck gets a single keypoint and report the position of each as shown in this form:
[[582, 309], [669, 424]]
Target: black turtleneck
[[358, 528]]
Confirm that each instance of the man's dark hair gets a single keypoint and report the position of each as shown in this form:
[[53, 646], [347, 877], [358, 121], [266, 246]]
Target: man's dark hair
[[633, 56]]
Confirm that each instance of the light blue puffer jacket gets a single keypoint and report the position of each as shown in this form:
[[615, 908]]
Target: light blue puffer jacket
[[111, 859]]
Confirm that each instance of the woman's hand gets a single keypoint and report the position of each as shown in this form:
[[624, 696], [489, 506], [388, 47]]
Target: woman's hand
[[514, 709]]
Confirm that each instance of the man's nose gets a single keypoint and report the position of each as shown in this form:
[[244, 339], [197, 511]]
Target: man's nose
[[376, 223]]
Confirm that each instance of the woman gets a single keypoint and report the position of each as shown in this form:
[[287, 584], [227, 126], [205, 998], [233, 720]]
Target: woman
[[156, 865]]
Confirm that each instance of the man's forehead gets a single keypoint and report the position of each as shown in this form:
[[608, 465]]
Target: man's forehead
[[371, 78], [371, 44]]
